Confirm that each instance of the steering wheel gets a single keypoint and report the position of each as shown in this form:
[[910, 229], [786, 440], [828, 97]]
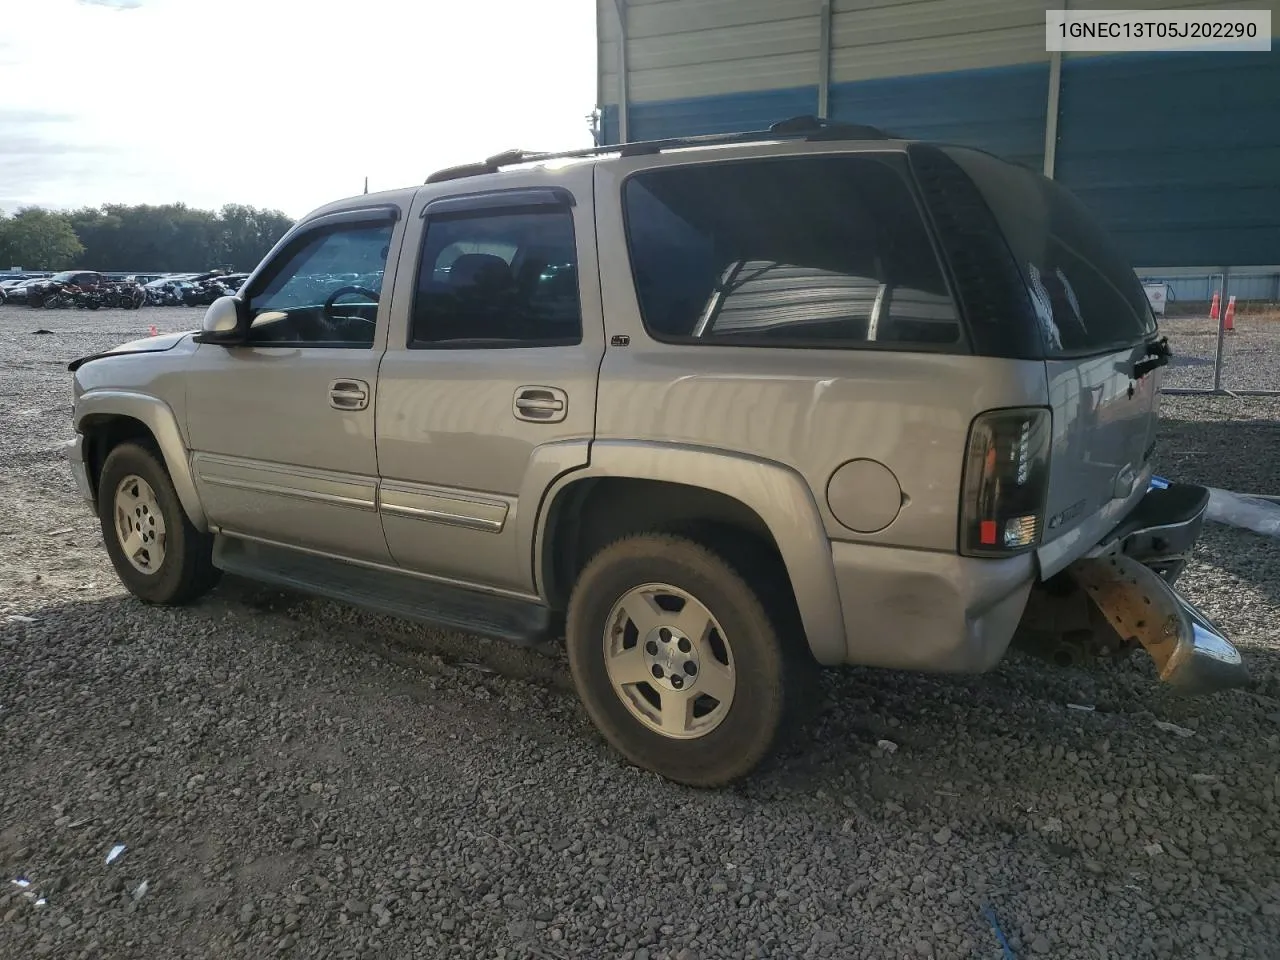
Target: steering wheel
[[329, 301]]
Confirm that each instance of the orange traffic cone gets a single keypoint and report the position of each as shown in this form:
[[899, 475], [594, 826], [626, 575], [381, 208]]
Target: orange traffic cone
[[1213, 307], [1229, 321]]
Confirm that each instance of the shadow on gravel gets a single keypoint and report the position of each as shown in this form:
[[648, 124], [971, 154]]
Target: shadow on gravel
[[1238, 455], [858, 709], [1247, 557], [290, 617]]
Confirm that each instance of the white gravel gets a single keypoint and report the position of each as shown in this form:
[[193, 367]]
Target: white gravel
[[292, 778]]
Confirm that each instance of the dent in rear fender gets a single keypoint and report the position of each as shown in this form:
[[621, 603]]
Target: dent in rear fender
[[160, 419], [928, 610], [777, 494]]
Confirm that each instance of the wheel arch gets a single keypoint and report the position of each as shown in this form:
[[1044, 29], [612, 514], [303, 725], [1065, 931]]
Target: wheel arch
[[632, 485], [106, 418]]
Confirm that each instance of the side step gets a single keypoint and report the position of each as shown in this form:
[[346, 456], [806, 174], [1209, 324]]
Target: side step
[[391, 592]]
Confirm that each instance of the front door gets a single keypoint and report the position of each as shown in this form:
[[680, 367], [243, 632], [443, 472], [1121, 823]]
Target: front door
[[487, 389], [281, 428]]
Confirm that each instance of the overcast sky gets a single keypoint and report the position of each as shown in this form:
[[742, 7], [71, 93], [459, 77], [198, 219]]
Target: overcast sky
[[278, 103]]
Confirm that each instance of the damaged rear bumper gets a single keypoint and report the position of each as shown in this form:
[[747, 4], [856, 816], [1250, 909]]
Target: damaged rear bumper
[[1189, 651], [1129, 576], [1161, 530]]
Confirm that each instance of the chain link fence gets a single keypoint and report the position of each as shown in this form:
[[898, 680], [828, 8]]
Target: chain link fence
[[1224, 348]]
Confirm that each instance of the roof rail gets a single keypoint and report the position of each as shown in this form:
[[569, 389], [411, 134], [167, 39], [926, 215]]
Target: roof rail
[[795, 128]]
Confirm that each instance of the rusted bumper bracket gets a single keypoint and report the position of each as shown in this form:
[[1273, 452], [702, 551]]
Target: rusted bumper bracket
[[1190, 653]]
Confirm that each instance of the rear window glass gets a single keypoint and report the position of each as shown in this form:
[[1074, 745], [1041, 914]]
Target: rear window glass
[[1087, 296], [796, 251]]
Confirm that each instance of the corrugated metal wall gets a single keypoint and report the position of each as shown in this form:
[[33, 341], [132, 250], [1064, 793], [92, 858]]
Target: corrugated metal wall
[[709, 66], [1179, 154]]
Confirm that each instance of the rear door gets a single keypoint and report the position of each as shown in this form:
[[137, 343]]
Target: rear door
[[487, 391], [1096, 322]]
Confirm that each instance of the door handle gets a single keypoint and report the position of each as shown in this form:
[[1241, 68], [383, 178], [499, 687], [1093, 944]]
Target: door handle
[[540, 404], [348, 394]]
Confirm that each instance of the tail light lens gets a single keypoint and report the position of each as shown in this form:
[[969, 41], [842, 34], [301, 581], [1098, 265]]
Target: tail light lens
[[1006, 481]]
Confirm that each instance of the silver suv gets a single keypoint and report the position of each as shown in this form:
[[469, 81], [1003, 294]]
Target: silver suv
[[717, 411]]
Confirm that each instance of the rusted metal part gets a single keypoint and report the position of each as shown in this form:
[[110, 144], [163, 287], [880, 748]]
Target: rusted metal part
[[1063, 625], [1190, 653]]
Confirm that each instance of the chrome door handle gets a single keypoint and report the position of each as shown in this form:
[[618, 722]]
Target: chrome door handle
[[348, 394], [540, 404]]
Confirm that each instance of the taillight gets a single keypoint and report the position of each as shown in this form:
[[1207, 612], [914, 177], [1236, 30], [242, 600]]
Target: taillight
[[1006, 481]]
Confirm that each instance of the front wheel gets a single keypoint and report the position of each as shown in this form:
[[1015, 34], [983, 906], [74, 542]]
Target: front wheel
[[676, 660], [158, 555]]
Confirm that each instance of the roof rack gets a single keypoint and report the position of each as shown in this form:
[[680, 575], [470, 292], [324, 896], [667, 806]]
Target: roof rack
[[795, 128]]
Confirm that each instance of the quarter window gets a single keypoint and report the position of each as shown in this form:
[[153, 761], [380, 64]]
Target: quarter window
[[796, 251], [1087, 297], [326, 291], [498, 279]]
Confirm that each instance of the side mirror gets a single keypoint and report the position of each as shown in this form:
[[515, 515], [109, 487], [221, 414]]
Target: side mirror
[[221, 322]]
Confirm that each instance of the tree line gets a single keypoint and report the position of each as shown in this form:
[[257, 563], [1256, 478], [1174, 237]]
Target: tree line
[[168, 238]]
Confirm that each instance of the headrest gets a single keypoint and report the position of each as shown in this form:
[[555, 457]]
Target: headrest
[[479, 269]]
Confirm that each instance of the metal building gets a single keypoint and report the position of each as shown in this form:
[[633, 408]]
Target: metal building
[[1178, 153]]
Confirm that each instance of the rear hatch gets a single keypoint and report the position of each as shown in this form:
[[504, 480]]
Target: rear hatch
[[1097, 336]]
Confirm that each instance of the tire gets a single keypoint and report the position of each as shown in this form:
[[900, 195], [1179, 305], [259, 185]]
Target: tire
[[184, 570], [750, 662]]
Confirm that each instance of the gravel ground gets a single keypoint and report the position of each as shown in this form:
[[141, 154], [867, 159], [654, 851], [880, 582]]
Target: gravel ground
[[1250, 352], [292, 778]]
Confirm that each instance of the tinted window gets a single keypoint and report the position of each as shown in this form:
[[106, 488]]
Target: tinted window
[[1087, 296], [805, 251], [498, 279], [326, 290]]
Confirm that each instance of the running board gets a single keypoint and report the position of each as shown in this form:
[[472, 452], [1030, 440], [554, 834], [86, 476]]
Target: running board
[[522, 622]]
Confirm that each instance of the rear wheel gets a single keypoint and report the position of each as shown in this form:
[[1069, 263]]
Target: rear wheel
[[676, 659], [158, 555]]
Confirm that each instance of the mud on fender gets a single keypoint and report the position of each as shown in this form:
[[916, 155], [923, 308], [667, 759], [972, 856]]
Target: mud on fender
[[1189, 651]]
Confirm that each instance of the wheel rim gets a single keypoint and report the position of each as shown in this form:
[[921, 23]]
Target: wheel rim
[[669, 661], [139, 524]]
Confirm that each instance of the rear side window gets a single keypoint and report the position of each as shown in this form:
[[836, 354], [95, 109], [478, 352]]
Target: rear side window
[[792, 251], [498, 279], [1087, 297]]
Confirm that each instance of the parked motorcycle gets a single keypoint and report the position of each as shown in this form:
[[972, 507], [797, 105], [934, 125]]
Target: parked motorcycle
[[125, 294], [56, 295]]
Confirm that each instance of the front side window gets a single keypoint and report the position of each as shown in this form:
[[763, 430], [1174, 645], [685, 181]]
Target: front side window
[[326, 290], [795, 251], [498, 279]]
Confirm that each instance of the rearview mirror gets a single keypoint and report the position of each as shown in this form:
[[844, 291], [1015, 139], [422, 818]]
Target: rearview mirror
[[221, 321]]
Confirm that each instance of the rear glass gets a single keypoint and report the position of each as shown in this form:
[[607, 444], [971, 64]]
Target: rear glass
[[1087, 296], [793, 251]]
